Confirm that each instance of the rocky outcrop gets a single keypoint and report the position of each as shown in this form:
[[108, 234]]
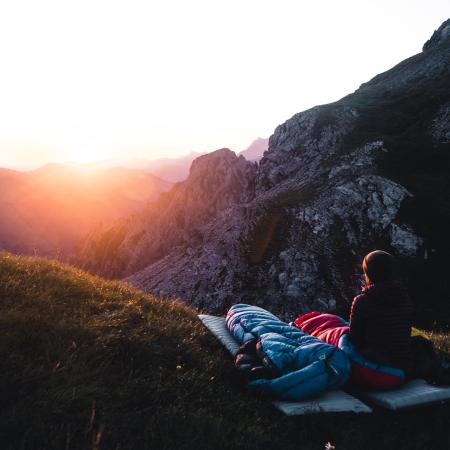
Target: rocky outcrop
[[216, 181], [338, 180], [440, 36], [294, 247]]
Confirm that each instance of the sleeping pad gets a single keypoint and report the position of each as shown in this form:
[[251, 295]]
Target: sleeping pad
[[305, 365]]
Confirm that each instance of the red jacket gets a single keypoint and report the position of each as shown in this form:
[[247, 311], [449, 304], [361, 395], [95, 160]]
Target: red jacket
[[380, 324]]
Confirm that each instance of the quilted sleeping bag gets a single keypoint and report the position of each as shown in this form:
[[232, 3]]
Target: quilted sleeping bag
[[306, 365]]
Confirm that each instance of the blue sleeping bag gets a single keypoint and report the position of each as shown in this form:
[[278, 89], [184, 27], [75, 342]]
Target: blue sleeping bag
[[307, 366]]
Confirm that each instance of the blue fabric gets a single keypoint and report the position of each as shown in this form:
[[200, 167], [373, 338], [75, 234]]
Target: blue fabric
[[349, 349], [307, 366]]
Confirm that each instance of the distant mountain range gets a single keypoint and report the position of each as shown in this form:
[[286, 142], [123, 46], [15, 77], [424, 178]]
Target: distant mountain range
[[371, 170], [255, 151], [47, 211], [177, 169], [170, 169]]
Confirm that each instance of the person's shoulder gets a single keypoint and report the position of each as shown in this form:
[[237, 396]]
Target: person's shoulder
[[365, 294], [361, 299]]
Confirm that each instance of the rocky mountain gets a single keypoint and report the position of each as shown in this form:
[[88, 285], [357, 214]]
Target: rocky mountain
[[177, 169], [47, 211], [216, 182], [368, 171], [255, 151]]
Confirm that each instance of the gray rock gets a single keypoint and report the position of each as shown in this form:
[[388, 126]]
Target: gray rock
[[440, 127]]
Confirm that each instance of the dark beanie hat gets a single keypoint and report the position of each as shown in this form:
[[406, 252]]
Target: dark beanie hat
[[379, 266]]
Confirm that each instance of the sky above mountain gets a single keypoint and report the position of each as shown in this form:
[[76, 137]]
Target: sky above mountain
[[92, 80]]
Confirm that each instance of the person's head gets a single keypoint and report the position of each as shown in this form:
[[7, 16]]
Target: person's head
[[378, 266]]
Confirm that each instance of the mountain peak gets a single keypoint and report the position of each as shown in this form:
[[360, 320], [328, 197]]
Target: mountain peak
[[223, 155], [439, 36]]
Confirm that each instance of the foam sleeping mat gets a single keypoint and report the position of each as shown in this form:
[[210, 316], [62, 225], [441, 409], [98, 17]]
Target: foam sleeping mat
[[328, 402], [413, 393]]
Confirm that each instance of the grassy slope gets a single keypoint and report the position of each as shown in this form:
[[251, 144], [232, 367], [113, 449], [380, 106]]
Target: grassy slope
[[89, 363]]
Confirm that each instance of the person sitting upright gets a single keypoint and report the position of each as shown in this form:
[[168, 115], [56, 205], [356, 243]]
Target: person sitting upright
[[381, 315]]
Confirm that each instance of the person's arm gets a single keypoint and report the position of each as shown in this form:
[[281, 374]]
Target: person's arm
[[358, 322]]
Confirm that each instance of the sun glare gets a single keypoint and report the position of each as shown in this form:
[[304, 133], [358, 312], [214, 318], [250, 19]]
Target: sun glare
[[86, 155]]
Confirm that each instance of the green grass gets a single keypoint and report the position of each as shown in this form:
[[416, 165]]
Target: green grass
[[93, 364]]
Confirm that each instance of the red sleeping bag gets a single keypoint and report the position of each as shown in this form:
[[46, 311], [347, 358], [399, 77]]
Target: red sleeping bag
[[334, 330]]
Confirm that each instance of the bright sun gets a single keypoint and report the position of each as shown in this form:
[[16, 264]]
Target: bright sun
[[85, 155]]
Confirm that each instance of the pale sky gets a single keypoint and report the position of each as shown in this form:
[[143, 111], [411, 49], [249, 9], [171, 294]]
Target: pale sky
[[86, 80]]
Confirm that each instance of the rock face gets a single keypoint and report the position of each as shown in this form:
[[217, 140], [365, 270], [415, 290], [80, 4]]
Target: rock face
[[439, 36], [339, 180]]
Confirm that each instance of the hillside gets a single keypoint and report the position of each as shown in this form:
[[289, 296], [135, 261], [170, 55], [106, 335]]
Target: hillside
[[90, 363], [369, 171], [47, 211]]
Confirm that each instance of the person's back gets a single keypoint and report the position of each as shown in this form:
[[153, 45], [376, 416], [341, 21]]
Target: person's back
[[381, 316]]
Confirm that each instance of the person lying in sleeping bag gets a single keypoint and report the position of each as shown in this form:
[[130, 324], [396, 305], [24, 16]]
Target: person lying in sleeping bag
[[377, 339], [287, 363]]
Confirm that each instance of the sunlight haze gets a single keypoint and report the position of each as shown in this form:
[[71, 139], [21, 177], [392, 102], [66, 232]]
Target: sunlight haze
[[92, 80]]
